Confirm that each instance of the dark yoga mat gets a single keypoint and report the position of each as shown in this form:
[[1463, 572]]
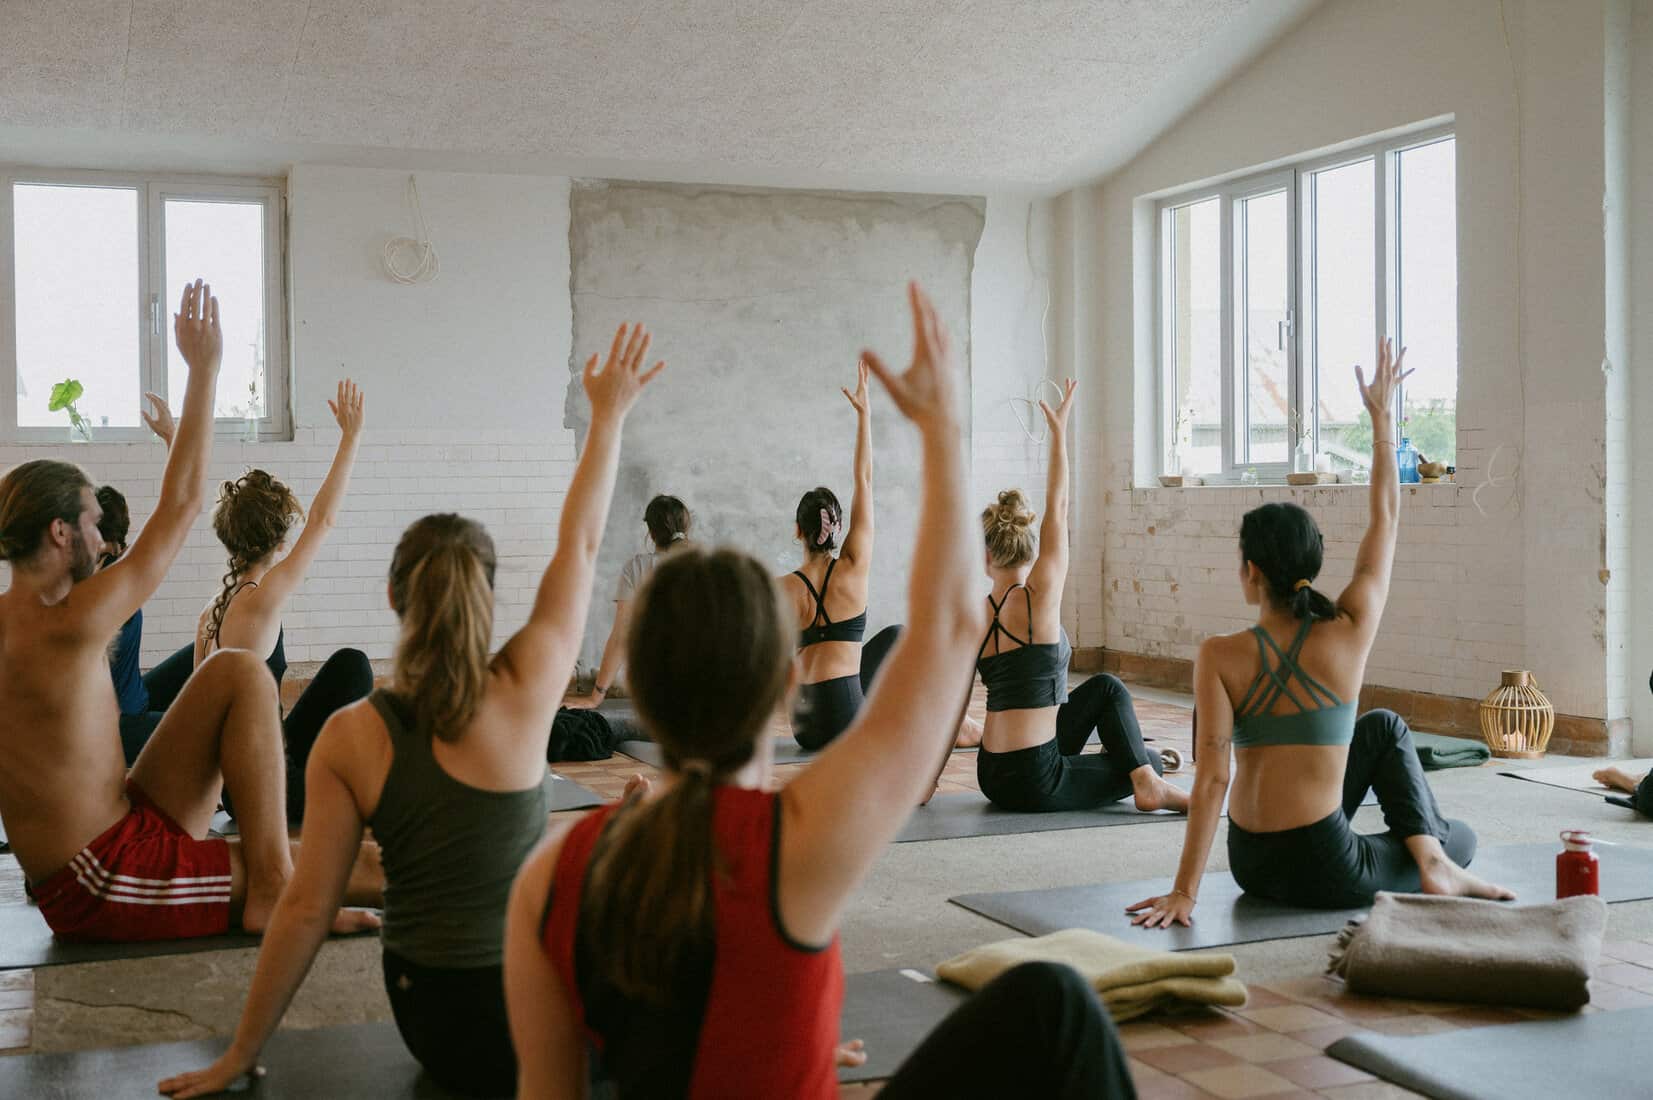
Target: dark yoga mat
[[1601, 1054], [357, 1060], [569, 795], [892, 1011], [25, 942], [1227, 916], [786, 752]]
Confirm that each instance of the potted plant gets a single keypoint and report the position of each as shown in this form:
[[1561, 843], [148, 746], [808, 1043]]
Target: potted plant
[[64, 396]]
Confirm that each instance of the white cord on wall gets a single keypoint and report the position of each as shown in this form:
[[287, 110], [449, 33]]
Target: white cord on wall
[[407, 260]]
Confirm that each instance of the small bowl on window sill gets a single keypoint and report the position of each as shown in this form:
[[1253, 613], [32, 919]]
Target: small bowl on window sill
[[1178, 481]]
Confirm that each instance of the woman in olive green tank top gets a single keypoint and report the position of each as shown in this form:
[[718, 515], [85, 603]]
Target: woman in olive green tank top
[[1282, 697], [448, 768]]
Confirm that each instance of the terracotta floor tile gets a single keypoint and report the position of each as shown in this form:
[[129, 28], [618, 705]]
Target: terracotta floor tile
[[1171, 1088], [1289, 1018], [1182, 1060], [1142, 1072], [1145, 1036], [1258, 996], [1361, 1009], [1322, 1037], [1214, 1025], [1304, 989], [1481, 1016], [1239, 1082], [1412, 1025], [1266, 1047], [1319, 1072]]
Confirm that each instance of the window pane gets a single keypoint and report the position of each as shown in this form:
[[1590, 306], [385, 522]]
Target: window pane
[[1428, 316], [1344, 328], [1265, 401], [77, 301], [1196, 334], [223, 243]]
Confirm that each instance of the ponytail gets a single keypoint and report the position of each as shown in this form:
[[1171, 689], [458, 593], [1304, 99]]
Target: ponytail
[[1309, 603], [648, 906], [710, 657], [442, 589]]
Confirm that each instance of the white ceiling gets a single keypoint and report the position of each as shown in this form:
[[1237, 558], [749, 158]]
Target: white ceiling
[[1015, 94]]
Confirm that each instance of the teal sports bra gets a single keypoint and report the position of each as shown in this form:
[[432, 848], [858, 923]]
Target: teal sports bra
[[1323, 720]]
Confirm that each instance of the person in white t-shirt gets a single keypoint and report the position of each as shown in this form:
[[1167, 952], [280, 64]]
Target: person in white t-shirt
[[668, 521]]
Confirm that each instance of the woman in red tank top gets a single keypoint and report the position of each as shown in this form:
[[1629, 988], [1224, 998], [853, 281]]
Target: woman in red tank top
[[684, 943]]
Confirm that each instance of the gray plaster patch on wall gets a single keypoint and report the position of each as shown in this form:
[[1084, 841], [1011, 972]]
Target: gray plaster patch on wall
[[759, 301]]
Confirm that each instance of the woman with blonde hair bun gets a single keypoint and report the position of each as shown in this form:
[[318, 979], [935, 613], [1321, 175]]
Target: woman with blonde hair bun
[[1031, 757]]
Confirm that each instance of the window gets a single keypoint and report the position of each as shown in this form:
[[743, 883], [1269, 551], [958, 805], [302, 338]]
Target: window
[[1273, 287], [92, 265]]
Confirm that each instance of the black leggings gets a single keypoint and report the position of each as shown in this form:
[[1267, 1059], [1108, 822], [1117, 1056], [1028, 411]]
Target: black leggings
[[1327, 865], [162, 683], [826, 708], [1054, 775], [1035, 1030], [453, 1021]]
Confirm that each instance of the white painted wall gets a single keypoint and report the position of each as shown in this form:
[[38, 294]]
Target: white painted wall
[[465, 381], [1518, 586], [1639, 201]]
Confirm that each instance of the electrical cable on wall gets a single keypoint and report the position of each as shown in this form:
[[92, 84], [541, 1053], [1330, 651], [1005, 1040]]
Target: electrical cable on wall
[[409, 260]]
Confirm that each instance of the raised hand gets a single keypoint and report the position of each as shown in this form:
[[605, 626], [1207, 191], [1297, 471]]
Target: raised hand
[[925, 391], [195, 327], [861, 399], [1163, 911], [613, 389], [160, 421], [1379, 396], [1057, 418], [348, 408]]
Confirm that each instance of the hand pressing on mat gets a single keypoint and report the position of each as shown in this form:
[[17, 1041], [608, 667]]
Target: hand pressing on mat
[[217, 1077], [851, 1054], [1164, 911]]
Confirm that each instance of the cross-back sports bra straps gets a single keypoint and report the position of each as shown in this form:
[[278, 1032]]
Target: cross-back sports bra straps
[[998, 628], [821, 628], [1320, 719]]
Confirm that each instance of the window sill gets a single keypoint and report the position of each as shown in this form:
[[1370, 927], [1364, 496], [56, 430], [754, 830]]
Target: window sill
[[1269, 485]]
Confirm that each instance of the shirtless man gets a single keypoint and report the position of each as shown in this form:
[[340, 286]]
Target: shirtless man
[[113, 856]]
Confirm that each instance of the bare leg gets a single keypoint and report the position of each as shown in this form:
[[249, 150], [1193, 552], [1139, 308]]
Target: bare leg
[[1154, 793], [225, 729], [364, 890], [1616, 778], [1441, 876]]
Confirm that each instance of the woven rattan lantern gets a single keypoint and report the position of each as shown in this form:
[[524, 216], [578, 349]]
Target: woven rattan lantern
[[1516, 719]]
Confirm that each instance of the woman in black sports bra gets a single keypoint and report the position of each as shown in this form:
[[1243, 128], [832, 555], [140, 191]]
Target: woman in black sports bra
[[837, 668], [1030, 759]]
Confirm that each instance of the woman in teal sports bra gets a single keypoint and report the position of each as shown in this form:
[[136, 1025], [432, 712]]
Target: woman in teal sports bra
[[1282, 694]]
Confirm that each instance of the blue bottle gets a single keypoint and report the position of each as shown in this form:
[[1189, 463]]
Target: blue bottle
[[1407, 460]]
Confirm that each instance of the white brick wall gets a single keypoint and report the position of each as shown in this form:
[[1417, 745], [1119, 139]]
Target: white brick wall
[[513, 482]]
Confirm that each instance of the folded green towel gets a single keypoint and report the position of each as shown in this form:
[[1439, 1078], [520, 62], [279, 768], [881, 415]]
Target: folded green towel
[[1436, 752]]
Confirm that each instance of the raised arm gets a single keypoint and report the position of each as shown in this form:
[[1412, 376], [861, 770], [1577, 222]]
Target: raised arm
[[539, 658], [612, 663], [1214, 733], [839, 814], [1368, 589], [285, 577], [1050, 572], [858, 543], [110, 597]]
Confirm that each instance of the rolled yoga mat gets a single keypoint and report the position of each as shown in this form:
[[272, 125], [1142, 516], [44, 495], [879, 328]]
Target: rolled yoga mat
[[891, 1011], [26, 942], [353, 1060], [1226, 915], [1601, 1054]]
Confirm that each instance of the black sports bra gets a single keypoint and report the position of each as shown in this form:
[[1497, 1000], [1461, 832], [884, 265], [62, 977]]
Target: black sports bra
[[821, 628], [1030, 677]]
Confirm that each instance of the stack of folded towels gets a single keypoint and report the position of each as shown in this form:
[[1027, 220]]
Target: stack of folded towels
[[1462, 949], [1131, 980]]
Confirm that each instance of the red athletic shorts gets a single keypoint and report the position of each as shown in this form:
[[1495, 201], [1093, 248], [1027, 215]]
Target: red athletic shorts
[[145, 878]]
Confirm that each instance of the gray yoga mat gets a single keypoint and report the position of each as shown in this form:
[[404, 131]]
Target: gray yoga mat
[[357, 1060], [26, 942], [1600, 1054], [891, 1011], [786, 752], [1226, 915]]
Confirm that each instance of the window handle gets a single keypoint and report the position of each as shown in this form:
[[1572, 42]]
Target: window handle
[[1283, 330], [154, 315]]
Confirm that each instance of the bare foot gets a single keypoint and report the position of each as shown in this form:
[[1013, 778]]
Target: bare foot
[[1154, 793], [1442, 876], [1616, 778], [969, 734], [355, 920], [639, 785]]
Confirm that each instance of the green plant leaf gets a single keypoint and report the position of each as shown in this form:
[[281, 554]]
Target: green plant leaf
[[65, 394]]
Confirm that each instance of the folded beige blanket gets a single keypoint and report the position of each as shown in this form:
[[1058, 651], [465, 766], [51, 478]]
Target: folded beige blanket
[[1464, 949], [1130, 980]]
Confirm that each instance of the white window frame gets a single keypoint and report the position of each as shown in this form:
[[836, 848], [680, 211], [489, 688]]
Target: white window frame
[[1302, 368], [154, 314]]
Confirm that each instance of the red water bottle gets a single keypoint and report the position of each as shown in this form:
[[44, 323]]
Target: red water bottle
[[1577, 870]]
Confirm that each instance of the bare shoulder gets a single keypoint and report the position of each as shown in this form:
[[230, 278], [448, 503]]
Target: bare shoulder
[[354, 743], [1224, 648], [541, 864]]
